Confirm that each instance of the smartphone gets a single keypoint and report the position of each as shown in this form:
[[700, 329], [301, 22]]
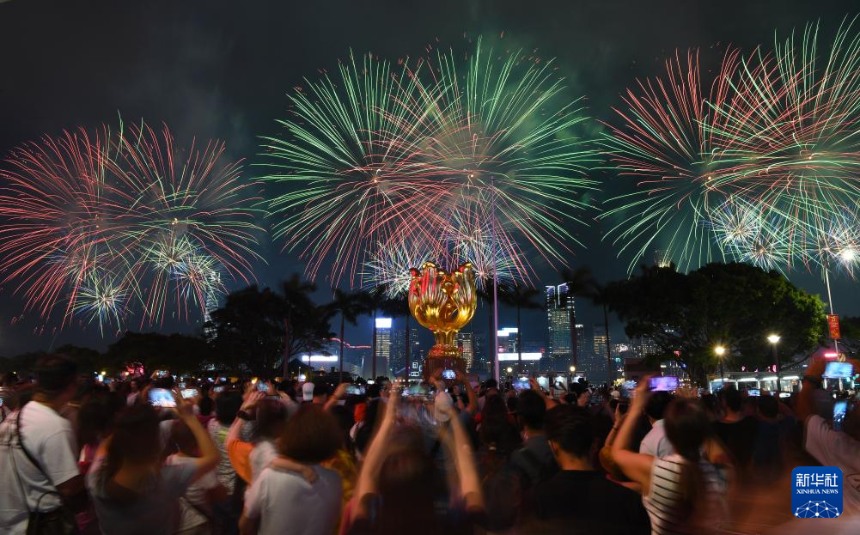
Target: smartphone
[[667, 383], [839, 410], [756, 392], [839, 370], [522, 384], [161, 397], [188, 393], [357, 390], [262, 386], [218, 389], [181, 385], [161, 374], [543, 382], [449, 374]]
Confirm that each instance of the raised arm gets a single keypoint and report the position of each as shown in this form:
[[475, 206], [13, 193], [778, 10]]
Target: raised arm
[[369, 475], [209, 455], [636, 466]]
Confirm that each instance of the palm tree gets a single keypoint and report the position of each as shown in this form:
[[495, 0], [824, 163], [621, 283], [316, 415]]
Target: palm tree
[[580, 283], [349, 305], [521, 297], [298, 307]]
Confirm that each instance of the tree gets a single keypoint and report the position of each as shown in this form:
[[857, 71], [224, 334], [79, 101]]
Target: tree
[[580, 283], [734, 305], [255, 326], [306, 326], [349, 305], [178, 353], [520, 297]]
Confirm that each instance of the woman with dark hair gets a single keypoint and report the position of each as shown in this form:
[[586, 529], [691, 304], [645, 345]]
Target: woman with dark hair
[[395, 493], [683, 492], [133, 491], [294, 494]]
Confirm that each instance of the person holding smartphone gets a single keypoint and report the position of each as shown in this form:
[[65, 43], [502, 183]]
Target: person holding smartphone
[[684, 492], [829, 446], [133, 491]]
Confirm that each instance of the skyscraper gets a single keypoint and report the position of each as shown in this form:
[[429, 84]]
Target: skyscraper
[[559, 313], [383, 346], [466, 344]]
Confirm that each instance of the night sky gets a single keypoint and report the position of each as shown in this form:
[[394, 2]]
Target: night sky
[[218, 69]]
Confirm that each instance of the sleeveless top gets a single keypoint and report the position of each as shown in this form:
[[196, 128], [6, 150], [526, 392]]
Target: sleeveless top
[[663, 501]]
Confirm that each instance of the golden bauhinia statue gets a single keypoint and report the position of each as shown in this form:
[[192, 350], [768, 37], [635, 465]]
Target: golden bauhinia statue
[[444, 303]]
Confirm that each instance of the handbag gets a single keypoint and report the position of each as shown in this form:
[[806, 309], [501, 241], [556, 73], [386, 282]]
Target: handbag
[[60, 521]]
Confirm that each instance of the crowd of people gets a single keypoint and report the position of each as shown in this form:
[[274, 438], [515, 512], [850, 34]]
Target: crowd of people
[[150, 456]]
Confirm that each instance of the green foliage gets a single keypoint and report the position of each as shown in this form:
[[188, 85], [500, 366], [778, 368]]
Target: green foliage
[[734, 305], [256, 327]]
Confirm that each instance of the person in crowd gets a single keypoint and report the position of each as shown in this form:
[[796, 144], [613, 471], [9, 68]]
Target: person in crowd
[[395, 489], [94, 425], [771, 441], [684, 492], [579, 496], [294, 494], [196, 506], [133, 490], [269, 416], [827, 445], [134, 391], [8, 394], [737, 431], [534, 461], [655, 442], [40, 481], [226, 513]]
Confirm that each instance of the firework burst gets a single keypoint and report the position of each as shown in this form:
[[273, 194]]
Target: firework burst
[[99, 224], [665, 139]]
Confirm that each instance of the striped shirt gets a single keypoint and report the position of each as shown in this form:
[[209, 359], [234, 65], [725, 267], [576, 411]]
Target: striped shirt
[[664, 498]]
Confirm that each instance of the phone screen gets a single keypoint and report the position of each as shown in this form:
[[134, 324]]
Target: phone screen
[[754, 392], [218, 389], [522, 384], [839, 370], [449, 374], [262, 386], [189, 393], [839, 410], [161, 397], [355, 390], [667, 383]]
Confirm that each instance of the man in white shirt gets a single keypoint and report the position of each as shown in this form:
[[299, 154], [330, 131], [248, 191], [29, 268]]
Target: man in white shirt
[[48, 477], [655, 442]]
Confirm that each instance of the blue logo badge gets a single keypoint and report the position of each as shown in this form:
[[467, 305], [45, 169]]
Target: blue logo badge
[[816, 491]]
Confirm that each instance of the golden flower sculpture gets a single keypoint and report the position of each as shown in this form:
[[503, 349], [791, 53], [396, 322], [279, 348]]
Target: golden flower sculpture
[[444, 303]]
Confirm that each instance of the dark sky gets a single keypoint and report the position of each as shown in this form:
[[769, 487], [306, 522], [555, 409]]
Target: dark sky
[[219, 69]]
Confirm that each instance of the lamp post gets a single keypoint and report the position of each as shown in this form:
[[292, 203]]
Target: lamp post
[[720, 351], [774, 339]]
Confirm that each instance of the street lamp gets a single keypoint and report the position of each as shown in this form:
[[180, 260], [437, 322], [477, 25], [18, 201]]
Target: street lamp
[[720, 351], [774, 339]]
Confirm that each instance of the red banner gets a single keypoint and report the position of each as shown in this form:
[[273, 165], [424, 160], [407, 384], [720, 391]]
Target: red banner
[[833, 325]]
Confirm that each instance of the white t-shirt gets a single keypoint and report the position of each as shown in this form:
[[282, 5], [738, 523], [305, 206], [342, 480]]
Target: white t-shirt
[[194, 503], [263, 453], [655, 442], [835, 448], [286, 503], [50, 440]]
